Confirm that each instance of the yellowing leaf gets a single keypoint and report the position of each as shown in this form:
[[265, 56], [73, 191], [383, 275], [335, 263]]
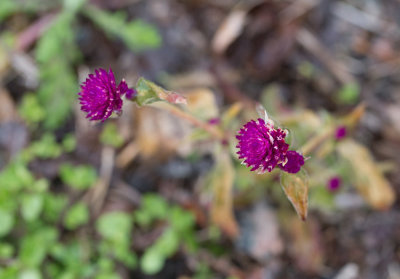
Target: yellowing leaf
[[295, 187], [221, 183], [160, 133], [354, 116], [229, 30], [368, 178], [202, 103]]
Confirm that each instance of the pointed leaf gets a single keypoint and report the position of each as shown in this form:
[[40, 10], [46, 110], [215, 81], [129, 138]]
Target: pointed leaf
[[222, 183], [295, 187], [367, 178], [148, 92]]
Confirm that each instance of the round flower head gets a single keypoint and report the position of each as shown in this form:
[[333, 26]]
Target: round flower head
[[293, 163], [261, 146], [100, 97]]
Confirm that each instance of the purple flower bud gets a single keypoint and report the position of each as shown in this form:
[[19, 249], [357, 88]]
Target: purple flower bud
[[294, 162], [334, 183], [340, 132], [100, 97], [214, 121], [261, 146]]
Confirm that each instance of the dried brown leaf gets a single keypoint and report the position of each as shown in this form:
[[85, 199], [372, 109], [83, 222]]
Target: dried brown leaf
[[368, 178], [295, 187], [201, 103], [229, 30], [305, 244], [158, 133], [222, 206]]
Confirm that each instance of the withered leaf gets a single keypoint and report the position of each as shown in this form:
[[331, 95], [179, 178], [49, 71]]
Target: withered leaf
[[221, 183], [367, 178], [295, 187]]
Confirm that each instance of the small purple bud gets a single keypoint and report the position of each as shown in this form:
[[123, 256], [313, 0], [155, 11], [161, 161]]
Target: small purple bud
[[334, 183], [294, 162], [214, 121], [340, 132]]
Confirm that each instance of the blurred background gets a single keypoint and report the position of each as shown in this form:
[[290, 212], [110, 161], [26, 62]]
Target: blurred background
[[149, 195]]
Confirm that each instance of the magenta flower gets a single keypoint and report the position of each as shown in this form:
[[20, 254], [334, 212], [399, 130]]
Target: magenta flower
[[294, 162], [100, 97], [340, 132], [334, 183], [261, 146]]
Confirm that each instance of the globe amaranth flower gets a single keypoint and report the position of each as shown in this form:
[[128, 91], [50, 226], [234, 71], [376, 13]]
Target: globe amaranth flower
[[261, 146], [100, 97], [293, 163]]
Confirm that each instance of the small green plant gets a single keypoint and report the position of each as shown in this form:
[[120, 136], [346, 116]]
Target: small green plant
[[78, 177], [179, 231], [52, 103]]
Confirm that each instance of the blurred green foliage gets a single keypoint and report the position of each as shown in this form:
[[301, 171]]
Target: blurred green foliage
[[40, 228], [349, 94], [78, 177], [137, 35], [58, 86], [57, 54], [42, 250], [180, 231], [110, 135]]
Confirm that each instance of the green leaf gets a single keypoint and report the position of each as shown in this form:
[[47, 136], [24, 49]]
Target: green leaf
[[40, 185], [10, 272], [69, 143], [115, 226], [46, 147], [152, 262], [7, 8], [148, 92], [321, 198], [125, 255], [30, 109], [137, 35], [168, 243], [30, 274], [58, 87], [79, 177], [6, 250], [105, 265], [295, 187], [73, 5], [180, 219], [53, 206], [111, 136], [76, 216], [16, 176], [108, 276], [34, 246], [155, 205], [7, 222], [31, 206], [349, 93], [74, 256]]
